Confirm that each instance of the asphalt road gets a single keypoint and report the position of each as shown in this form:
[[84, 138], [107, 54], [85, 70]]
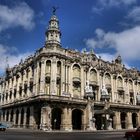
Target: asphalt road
[[39, 135]]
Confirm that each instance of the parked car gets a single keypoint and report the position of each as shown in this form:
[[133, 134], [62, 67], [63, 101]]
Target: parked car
[[133, 135], [2, 127]]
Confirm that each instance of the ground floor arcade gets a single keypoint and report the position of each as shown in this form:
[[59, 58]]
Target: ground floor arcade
[[62, 116]]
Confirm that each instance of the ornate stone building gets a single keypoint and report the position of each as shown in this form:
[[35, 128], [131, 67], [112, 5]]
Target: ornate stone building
[[64, 89]]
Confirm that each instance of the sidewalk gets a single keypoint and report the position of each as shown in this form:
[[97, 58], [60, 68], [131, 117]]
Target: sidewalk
[[73, 131]]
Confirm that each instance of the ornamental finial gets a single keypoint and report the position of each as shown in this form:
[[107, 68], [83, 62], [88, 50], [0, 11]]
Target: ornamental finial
[[54, 9]]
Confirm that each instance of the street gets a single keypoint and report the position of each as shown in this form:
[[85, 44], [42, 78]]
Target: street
[[13, 134]]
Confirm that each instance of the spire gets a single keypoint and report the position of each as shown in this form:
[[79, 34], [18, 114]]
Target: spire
[[53, 34]]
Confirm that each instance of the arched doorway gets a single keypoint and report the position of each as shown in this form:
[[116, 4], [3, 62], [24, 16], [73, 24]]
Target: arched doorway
[[22, 117], [28, 117], [77, 119], [17, 116], [12, 113], [98, 121], [56, 118], [134, 120], [7, 116], [123, 120]]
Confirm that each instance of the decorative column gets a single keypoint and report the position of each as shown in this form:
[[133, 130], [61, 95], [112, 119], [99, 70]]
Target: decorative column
[[70, 82], [116, 120], [91, 119], [69, 119], [42, 77], [82, 82], [9, 119], [32, 119], [129, 120], [66, 78], [19, 117], [64, 119], [45, 118], [53, 76], [5, 115], [37, 78], [1, 116], [138, 119], [63, 76], [34, 79], [25, 117], [112, 89], [14, 117]]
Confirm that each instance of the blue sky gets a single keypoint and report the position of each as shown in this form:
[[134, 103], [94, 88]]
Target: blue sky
[[110, 27]]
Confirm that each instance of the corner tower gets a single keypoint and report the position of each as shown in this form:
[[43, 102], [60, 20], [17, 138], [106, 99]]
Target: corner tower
[[53, 33]]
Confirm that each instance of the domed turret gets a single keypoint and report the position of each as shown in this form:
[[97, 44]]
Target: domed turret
[[53, 34]]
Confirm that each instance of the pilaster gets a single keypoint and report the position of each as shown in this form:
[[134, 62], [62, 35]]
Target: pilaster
[[42, 77], [19, 117], [82, 82], [45, 118], [25, 117], [53, 76], [32, 119], [90, 119], [116, 120], [129, 120]]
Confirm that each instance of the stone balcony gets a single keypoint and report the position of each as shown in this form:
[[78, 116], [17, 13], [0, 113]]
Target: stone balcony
[[31, 80], [58, 76], [93, 83], [108, 86], [48, 74], [120, 89], [131, 90], [76, 80]]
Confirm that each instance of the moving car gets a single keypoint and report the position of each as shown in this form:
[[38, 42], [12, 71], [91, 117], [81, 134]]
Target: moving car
[[2, 127], [133, 135]]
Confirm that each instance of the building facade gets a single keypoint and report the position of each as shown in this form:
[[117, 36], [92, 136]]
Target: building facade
[[63, 89]]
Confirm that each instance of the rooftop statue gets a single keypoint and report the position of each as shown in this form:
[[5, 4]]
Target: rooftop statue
[[88, 88], [104, 91]]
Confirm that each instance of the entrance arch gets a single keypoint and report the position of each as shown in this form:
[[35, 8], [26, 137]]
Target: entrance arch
[[12, 113], [56, 118], [7, 116], [77, 119], [98, 122], [134, 120], [17, 116], [22, 117], [123, 120], [28, 117]]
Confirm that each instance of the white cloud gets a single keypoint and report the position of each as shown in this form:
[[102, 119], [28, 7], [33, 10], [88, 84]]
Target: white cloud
[[134, 14], [19, 15], [126, 43], [10, 53], [102, 4], [106, 56]]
